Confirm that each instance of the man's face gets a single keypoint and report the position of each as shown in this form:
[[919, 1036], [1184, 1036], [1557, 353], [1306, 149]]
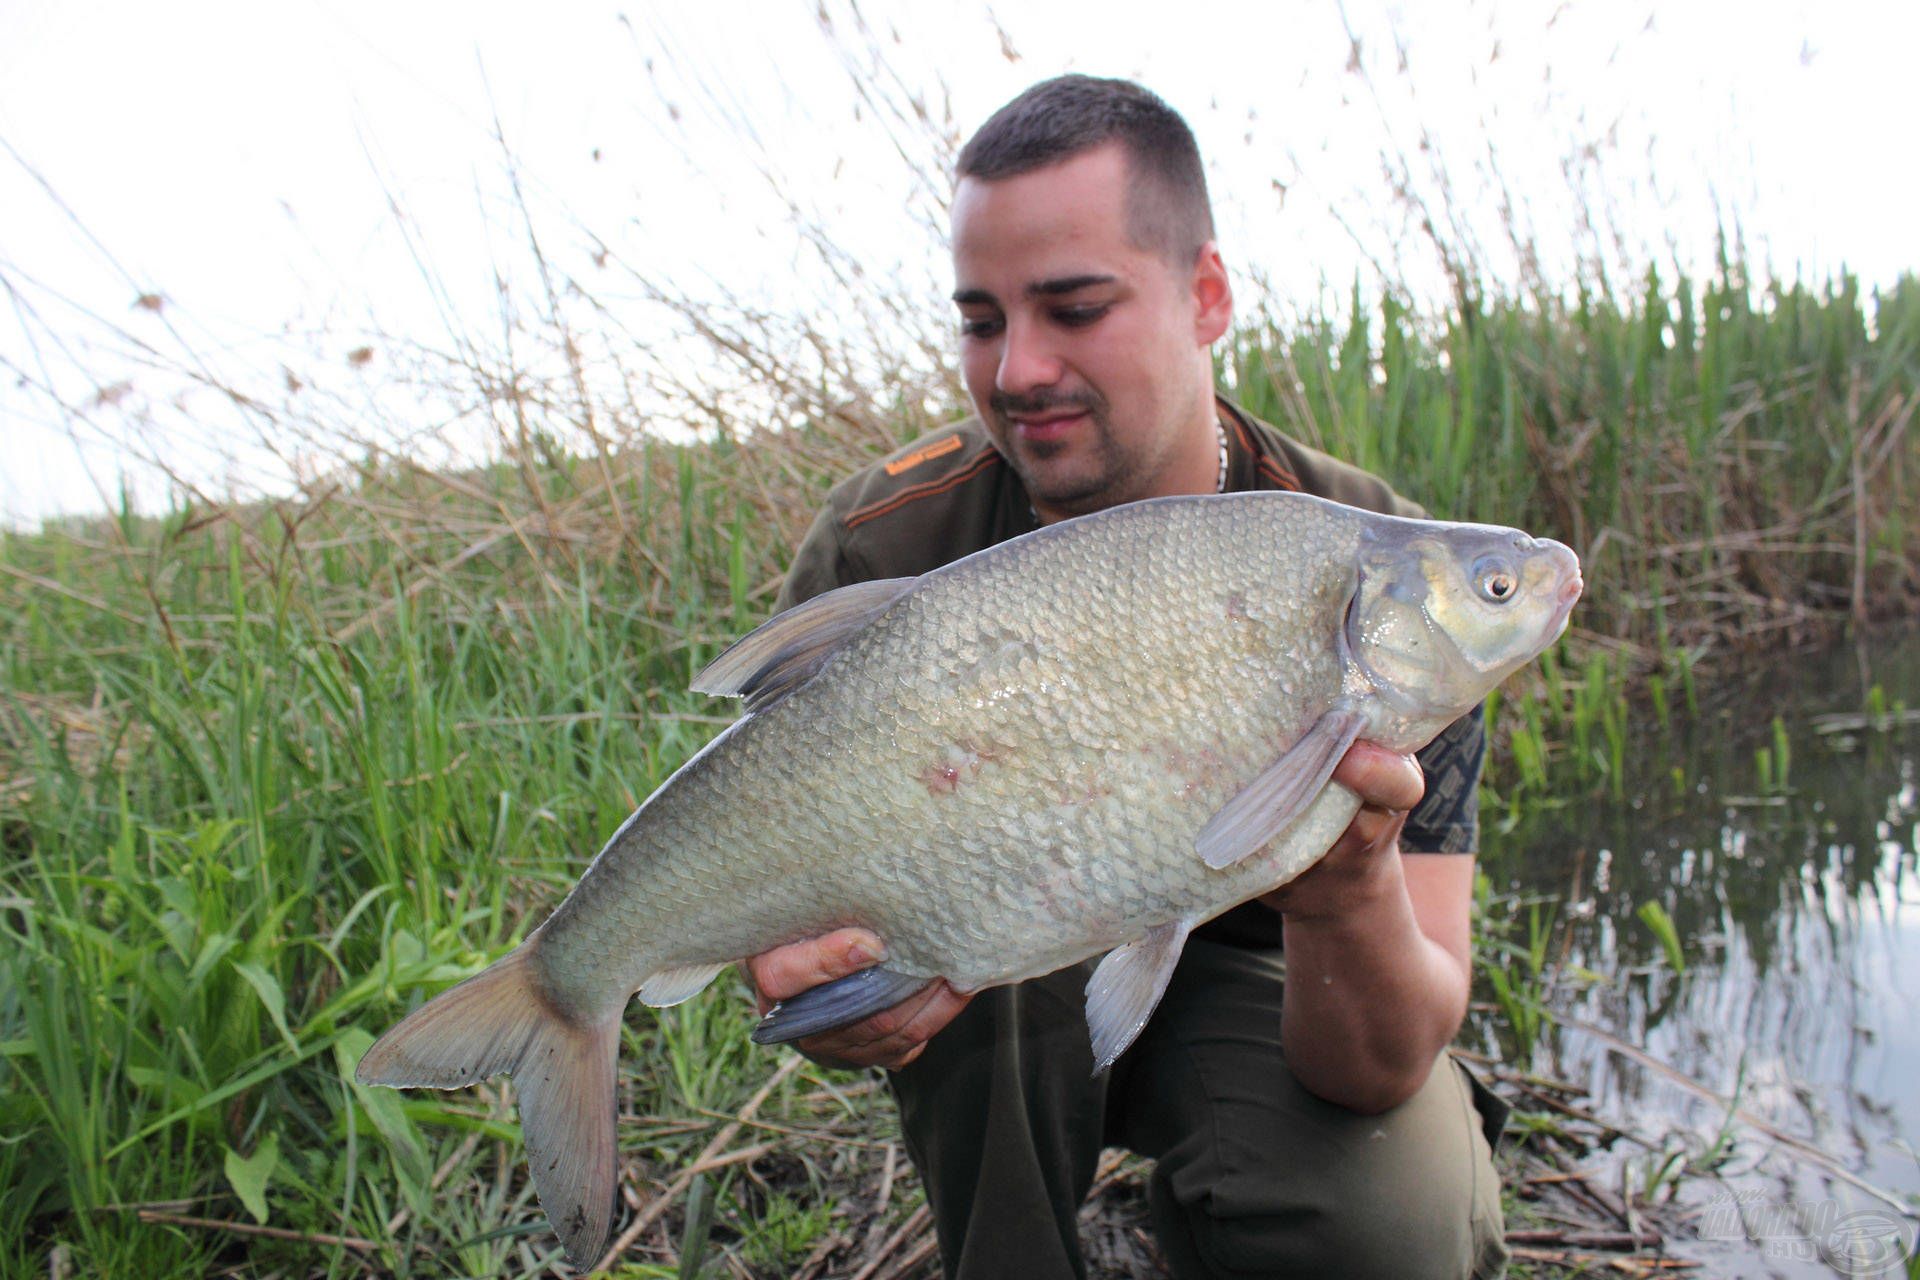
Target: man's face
[[1085, 355]]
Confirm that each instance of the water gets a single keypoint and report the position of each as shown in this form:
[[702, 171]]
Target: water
[[1798, 908]]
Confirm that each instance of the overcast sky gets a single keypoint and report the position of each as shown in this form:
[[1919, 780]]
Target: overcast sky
[[289, 178]]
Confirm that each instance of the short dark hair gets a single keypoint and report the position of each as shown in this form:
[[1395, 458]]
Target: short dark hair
[[1055, 120]]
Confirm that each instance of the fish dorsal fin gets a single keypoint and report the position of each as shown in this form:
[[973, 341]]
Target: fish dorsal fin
[[784, 652], [1269, 804], [1125, 989]]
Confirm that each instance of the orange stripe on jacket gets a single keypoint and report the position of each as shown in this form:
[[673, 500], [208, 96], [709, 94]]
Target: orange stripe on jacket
[[926, 489]]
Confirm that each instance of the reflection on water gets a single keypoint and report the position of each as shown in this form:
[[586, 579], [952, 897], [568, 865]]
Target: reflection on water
[[1799, 912]]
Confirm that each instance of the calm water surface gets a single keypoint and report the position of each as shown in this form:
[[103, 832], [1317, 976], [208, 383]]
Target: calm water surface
[[1799, 912]]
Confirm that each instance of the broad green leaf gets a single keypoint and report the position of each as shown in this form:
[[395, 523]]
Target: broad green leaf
[[249, 1174], [270, 995], [383, 1108], [211, 951], [179, 1090]]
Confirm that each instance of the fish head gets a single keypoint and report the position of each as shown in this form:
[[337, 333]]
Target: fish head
[[1442, 613]]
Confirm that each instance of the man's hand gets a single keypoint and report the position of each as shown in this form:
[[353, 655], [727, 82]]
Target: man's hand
[[889, 1039], [1360, 864], [1377, 948]]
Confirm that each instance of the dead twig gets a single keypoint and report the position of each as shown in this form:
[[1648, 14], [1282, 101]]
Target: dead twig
[[916, 1221], [251, 1229], [1588, 1239], [913, 1258], [1796, 1147], [710, 1158], [1627, 1266]]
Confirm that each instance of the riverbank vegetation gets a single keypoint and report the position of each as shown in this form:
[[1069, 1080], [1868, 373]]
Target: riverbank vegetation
[[271, 772]]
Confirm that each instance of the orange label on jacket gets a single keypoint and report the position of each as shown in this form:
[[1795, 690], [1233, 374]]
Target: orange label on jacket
[[925, 453]]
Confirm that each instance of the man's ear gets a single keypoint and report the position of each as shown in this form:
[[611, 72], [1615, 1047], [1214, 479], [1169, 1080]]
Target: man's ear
[[1212, 295]]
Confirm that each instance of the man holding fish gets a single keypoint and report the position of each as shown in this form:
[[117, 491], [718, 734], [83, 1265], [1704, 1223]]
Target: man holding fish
[[1324, 1134], [1003, 743]]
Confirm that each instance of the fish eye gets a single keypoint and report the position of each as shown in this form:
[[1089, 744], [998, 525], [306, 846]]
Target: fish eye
[[1494, 579]]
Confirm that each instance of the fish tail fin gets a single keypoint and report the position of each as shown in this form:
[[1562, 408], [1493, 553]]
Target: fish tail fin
[[563, 1071]]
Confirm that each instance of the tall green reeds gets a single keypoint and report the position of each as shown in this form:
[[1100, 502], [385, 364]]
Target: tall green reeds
[[268, 782], [270, 773], [1734, 462]]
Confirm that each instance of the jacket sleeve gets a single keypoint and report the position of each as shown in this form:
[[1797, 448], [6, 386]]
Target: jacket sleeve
[[820, 563]]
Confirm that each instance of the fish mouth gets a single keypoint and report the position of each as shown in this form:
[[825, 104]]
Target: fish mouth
[[1563, 608]]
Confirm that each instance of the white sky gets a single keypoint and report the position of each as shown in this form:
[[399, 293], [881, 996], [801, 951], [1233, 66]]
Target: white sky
[[239, 160]]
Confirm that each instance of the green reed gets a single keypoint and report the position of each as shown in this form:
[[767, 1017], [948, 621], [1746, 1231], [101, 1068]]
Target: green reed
[[274, 802], [269, 774], [1728, 458]]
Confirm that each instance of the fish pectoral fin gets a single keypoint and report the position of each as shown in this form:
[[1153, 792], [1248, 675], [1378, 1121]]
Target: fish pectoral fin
[[784, 652], [1270, 803], [836, 1004], [1127, 986], [671, 986]]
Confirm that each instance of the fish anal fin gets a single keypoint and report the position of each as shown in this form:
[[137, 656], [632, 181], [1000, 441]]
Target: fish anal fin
[[836, 1004], [563, 1074], [1280, 793], [1126, 988], [785, 652], [671, 986]]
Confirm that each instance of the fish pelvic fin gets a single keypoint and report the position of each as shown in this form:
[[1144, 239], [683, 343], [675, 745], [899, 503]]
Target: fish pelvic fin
[[1126, 988], [563, 1072]]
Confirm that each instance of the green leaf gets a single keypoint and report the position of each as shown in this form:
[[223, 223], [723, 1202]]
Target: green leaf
[[1655, 917], [179, 1090], [389, 1117], [270, 995], [693, 1241], [249, 1174]]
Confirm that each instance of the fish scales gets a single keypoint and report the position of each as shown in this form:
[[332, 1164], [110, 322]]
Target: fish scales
[[1072, 804], [1088, 739]]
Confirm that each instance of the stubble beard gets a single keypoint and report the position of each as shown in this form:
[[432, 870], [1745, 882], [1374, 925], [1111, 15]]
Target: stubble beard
[[1107, 475]]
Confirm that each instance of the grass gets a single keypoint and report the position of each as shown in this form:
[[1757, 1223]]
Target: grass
[[1731, 459], [271, 773]]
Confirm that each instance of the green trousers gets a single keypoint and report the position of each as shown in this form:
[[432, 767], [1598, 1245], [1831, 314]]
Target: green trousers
[[1254, 1176]]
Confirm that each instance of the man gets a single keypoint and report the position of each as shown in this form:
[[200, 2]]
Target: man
[[1326, 1134]]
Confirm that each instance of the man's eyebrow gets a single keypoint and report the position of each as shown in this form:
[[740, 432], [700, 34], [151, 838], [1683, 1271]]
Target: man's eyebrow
[[1038, 289], [1066, 284]]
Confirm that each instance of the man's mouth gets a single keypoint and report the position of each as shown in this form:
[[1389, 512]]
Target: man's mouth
[[1051, 425]]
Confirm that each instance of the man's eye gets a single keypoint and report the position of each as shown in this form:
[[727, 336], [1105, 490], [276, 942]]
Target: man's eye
[[1080, 317], [983, 327]]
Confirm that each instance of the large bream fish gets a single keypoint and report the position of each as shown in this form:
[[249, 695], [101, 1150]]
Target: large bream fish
[[1088, 739]]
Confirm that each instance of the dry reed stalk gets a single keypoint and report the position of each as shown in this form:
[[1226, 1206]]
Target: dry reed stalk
[[710, 1157]]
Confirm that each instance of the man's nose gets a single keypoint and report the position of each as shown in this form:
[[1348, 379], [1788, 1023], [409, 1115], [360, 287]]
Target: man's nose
[[1027, 361]]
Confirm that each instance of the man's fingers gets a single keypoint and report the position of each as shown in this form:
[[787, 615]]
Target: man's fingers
[[1382, 779], [893, 1037], [786, 971], [911, 1022]]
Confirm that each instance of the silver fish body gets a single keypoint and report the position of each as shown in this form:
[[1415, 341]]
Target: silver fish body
[[1086, 740]]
